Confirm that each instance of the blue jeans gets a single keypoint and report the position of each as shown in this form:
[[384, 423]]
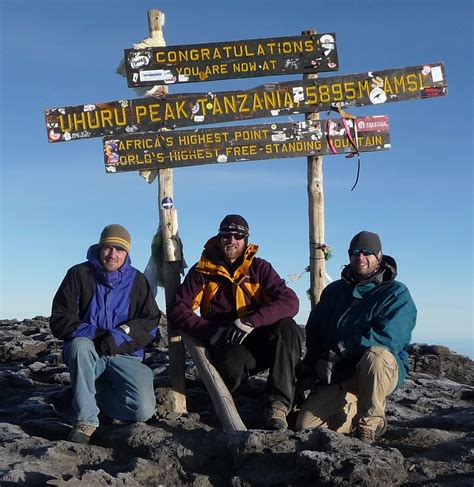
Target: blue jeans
[[121, 386]]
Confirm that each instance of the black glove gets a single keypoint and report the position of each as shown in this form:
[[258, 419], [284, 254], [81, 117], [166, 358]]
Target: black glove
[[105, 345], [326, 364], [237, 332], [232, 334]]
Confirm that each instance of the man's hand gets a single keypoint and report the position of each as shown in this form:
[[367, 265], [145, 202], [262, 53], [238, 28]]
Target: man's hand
[[324, 369], [237, 332], [105, 345], [326, 364]]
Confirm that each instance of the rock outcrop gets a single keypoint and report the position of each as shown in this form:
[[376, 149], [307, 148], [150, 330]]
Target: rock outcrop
[[429, 441]]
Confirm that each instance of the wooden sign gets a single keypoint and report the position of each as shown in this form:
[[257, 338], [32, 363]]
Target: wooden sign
[[227, 60], [179, 148], [268, 100]]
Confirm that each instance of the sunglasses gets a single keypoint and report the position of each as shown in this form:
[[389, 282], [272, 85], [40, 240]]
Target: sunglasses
[[364, 252], [237, 236]]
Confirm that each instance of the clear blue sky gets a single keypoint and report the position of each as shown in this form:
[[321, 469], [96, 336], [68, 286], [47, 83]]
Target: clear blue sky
[[418, 196]]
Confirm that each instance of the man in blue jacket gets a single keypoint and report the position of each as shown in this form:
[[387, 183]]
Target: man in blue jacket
[[105, 312], [356, 339]]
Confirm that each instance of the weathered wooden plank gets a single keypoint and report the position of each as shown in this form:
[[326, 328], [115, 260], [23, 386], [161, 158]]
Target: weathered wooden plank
[[220, 395], [179, 148], [235, 59], [268, 100]]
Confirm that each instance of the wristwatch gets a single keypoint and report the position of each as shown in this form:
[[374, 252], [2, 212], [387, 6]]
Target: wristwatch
[[125, 328]]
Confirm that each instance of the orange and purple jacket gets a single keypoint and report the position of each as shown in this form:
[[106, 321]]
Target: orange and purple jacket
[[255, 292]]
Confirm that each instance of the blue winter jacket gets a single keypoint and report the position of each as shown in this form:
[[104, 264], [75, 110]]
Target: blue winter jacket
[[378, 311], [90, 300]]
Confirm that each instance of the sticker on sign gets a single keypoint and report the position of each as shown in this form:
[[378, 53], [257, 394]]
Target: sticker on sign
[[167, 202], [156, 75]]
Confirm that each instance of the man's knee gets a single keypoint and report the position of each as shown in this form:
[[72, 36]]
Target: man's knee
[[378, 366], [143, 409], [376, 359], [79, 347], [234, 364], [291, 333]]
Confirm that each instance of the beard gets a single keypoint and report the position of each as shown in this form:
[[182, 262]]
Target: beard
[[231, 253]]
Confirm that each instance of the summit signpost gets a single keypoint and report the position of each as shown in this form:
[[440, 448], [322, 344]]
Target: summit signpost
[[221, 145], [268, 100], [236, 59], [133, 140]]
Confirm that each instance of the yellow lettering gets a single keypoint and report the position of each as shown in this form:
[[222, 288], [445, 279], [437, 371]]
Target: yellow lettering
[[154, 112], [364, 88], [243, 100], [399, 84], [140, 112], [311, 95], [257, 103], [230, 104], [62, 125], [96, 123], [412, 82], [169, 113], [337, 92], [387, 86], [172, 57], [181, 110], [217, 109], [349, 90], [288, 101], [309, 45], [216, 54], [324, 93], [270, 100], [82, 120]]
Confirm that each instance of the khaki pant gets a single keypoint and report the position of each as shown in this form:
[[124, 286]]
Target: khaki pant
[[360, 400]]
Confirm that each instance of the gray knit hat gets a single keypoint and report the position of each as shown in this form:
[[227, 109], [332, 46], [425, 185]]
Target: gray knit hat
[[115, 235], [366, 241]]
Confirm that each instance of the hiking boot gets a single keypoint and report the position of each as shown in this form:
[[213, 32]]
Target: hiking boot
[[81, 433], [368, 435], [275, 417]]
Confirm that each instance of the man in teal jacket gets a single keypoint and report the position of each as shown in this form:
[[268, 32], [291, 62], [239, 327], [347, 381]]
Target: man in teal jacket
[[356, 340]]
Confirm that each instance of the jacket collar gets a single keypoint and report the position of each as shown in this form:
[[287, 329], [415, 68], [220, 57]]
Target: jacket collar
[[110, 279], [212, 262], [386, 272]]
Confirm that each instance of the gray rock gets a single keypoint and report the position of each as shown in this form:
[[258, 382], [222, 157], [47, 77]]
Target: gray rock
[[429, 441]]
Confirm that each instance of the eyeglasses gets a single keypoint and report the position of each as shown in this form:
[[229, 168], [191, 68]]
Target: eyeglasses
[[364, 252], [228, 235]]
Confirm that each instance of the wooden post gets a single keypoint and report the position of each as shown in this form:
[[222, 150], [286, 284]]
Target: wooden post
[[317, 262], [220, 395], [171, 261], [171, 277]]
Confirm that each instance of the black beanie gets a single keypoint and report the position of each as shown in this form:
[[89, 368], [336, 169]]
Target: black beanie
[[366, 241], [234, 223]]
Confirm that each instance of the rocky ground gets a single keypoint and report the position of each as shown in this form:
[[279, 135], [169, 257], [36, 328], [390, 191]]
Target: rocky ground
[[430, 439]]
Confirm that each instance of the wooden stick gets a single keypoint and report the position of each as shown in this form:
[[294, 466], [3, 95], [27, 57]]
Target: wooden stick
[[220, 395], [317, 263]]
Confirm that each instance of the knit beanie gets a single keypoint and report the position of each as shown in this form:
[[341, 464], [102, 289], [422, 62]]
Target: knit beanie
[[115, 235], [234, 223], [366, 241]]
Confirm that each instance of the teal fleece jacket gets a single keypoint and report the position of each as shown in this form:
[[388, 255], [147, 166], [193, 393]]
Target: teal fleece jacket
[[378, 311]]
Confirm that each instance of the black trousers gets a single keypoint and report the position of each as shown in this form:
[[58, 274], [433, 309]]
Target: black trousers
[[275, 347]]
